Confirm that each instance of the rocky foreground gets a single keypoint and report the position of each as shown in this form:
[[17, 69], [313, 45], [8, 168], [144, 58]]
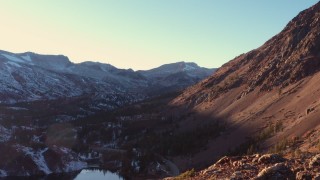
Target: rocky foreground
[[260, 167]]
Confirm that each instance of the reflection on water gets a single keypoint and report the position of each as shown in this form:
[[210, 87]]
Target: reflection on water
[[95, 174]]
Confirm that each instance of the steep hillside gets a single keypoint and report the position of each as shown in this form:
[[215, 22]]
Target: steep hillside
[[267, 96], [259, 167]]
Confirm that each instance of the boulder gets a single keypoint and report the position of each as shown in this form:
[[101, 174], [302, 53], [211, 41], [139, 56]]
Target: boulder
[[303, 175], [315, 161], [277, 171], [270, 158]]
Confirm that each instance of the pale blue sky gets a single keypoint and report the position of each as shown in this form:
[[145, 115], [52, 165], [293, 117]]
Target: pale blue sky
[[143, 34]]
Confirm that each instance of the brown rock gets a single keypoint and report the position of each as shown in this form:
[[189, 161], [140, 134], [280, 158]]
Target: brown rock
[[277, 171], [223, 160], [270, 158], [315, 161], [236, 175], [303, 175], [316, 177]]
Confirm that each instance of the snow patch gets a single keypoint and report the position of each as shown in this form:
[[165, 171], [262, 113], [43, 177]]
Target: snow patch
[[74, 166], [5, 134], [12, 58], [27, 128], [135, 165], [188, 68], [13, 64], [36, 138], [37, 157], [17, 108], [3, 173], [65, 150], [26, 57]]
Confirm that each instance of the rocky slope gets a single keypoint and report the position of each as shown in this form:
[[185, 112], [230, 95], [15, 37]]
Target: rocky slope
[[30, 150], [265, 97], [259, 167]]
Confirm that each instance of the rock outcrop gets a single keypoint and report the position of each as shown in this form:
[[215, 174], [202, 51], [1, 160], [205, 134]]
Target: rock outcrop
[[273, 166]]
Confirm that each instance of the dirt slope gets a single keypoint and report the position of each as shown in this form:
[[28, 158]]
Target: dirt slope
[[277, 83]]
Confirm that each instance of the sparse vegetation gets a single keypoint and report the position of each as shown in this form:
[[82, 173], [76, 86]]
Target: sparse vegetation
[[279, 91], [188, 174], [252, 145], [184, 143], [230, 82], [280, 146], [269, 131]]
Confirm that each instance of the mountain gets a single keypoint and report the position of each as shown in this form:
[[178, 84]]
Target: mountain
[[258, 166], [267, 98], [175, 76], [55, 114], [29, 77], [263, 101]]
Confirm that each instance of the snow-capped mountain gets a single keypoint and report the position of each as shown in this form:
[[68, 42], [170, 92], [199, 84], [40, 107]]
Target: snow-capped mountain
[[175, 76], [192, 69], [29, 77], [41, 94]]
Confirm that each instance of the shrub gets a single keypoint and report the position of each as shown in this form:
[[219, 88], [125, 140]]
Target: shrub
[[188, 174]]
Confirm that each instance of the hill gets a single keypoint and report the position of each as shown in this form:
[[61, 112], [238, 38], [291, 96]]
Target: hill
[[265, 97]]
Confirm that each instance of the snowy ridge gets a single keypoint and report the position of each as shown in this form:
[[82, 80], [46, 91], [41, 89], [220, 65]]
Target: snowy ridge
[[31, 77], [3, 173], [27, 58], [13, 58], [188, 67]]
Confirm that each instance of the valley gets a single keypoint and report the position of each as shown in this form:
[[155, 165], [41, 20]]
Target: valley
[[79, 125], [255, 117]]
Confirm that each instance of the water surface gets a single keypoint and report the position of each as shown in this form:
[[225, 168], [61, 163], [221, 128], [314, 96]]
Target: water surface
[[95, 174]]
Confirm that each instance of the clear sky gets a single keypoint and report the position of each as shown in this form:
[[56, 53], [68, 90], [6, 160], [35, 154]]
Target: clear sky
[[142, 34]]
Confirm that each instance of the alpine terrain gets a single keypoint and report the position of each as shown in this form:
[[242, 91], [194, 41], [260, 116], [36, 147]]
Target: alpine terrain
[[56, 116], [268, 99], [256, 117]]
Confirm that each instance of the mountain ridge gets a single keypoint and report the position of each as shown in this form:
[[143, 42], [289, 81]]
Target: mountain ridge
[[49, 105], [30, 76], [277, 83], [292, 49]]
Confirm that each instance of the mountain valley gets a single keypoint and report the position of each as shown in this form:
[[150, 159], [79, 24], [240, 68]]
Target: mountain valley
[[256, 117], [57, 116]]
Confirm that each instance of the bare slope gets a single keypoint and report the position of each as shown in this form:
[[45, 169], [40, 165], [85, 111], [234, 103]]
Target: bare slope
[[277, 83]]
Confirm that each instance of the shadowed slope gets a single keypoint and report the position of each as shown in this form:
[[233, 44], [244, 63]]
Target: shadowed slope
[[276, 83]]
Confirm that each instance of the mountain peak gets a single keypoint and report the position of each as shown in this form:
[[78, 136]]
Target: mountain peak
[[188, 67], [47, 61], [288, 57]]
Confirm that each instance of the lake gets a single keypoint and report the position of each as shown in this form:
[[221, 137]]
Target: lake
[[90, 174]]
